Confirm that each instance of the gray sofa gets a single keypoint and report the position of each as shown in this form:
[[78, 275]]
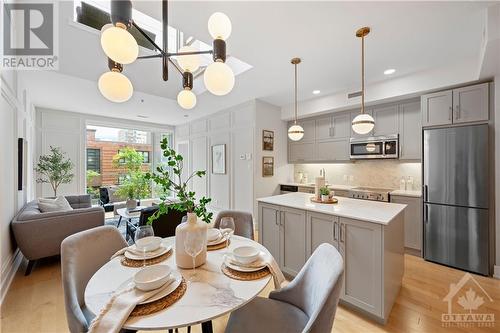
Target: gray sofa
[[39, 235]]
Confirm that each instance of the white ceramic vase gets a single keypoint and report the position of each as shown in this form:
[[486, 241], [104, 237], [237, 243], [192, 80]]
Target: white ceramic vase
[[192, 225]]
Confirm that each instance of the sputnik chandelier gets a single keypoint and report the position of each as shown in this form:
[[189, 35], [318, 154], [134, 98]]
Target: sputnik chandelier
[[121, 48]]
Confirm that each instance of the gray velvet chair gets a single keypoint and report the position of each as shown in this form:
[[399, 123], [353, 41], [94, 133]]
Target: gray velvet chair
[[307, 304], [82, 254], [243, 222]]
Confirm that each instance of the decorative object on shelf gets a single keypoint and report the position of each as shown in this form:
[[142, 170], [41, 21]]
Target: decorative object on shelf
[[54, 168], [325, 193], [219, 159], [329, 201], [169, 178], [267, 166], [267, 140], [121, 48], [295, 132], [363, 123]]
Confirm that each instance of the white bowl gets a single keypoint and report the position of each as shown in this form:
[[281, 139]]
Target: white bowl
[[152, 277], [213, 234], [246, 254], [148, 243]]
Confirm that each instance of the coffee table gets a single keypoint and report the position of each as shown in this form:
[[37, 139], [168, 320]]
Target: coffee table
[[128, 215]]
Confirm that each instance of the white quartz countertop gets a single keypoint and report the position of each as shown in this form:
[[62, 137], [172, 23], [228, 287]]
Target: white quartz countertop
[[332, 186], [364, 210], [407, 193]]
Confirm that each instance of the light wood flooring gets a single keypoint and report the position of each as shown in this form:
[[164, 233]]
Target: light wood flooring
[[35, 303]]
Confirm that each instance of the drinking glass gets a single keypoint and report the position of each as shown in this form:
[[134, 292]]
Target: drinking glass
[[141, 233], [194, 242], [227, 227]]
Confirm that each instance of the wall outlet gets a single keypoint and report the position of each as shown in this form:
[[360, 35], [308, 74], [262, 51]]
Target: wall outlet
[[248, 156], [242, 156]]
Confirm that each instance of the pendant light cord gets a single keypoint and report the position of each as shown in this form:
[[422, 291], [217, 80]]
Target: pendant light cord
[[295, 69], [362, 74]]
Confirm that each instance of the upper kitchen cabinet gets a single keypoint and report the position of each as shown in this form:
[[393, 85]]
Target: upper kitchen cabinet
[[309, 126], [336, 126], [301, 152], [386, 120], [461, 105], [353, 115], [470, 103], [410, 131]]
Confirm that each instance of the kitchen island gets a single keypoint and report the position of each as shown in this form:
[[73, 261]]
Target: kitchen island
[[368, 234]]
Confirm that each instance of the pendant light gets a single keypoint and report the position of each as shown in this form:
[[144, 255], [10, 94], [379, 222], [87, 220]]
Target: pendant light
[[295, 132], [363, 123]]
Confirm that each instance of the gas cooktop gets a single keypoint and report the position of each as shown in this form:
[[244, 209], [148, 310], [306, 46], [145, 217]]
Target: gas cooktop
[[370, 193]]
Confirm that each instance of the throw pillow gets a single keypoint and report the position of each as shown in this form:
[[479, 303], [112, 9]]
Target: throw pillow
[[59, 204]]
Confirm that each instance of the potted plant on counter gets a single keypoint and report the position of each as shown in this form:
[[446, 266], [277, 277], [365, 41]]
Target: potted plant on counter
[[325, 193], [169, 179]]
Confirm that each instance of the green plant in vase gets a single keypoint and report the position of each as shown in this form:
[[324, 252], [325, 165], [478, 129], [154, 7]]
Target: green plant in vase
[[54, 168], [325, 193]]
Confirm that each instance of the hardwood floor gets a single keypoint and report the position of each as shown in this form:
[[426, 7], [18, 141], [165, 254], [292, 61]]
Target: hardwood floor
[[35, 303]]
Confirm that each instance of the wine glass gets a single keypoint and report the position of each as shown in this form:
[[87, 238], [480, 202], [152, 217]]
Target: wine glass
[[226, 227], [141, 234], [194, 242]]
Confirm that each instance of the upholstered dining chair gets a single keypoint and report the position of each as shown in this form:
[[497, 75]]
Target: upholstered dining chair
[[307, 304], [82, 254], [243, 222]]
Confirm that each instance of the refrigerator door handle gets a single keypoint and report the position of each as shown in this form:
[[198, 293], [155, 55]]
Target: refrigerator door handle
[[426, 189], [426, 213]]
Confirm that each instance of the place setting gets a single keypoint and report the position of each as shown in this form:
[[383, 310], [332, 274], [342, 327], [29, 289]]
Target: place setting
[[219, 238]]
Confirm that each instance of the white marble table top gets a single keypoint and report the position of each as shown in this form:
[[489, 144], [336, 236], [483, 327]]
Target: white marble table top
[[213, 294]]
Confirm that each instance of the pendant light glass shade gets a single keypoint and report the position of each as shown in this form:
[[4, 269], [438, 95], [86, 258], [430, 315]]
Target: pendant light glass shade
[[119, 45], [219, 26], [363, 123], [115, 86], [186, 99], [189, 63], [219, 78], [295, 132]]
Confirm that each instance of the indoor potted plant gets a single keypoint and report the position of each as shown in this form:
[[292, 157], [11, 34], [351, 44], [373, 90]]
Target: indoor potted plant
[[54, 168], [325, 193], [169, 178]]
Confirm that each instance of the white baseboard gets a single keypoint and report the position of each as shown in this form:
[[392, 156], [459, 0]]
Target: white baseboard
[[496, 272], [8, 273]]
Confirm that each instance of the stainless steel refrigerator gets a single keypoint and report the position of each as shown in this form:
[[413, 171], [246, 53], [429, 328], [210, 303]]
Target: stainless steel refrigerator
[[456, 197]]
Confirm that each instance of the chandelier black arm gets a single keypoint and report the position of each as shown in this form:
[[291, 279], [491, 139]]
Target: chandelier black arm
[[151, 56], [189, 53], [149, 39]]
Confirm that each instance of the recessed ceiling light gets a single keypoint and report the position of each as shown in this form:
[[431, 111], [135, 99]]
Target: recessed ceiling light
[[315, 92], [389, 71]]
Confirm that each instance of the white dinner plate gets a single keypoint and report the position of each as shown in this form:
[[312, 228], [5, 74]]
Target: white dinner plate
[[243, 269], [163, 249], [218, 241]]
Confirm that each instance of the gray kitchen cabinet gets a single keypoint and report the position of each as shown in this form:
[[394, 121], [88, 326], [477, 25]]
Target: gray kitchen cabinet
[[332, 150], [324, 128], [269, 229], [386, 120], [335, 126], [471, 103], [437, 108], [360, 244], [309, 126], [412, 221], [321, 228], [353, 115], [299, 152], [410, 131]]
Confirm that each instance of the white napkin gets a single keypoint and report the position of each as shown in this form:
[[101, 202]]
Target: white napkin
[[133, 249], [268, 261], [114, 314]]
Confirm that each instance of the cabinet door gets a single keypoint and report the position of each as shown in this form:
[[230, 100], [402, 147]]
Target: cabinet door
[[292, 240], [269, 230], [333, 150], [410, 131], [324, 128], [471, 103], [361, 247], [321, 229], [301, 152], [341, 125], [413, 221], [353, 115], [437, 108], [386, 120]]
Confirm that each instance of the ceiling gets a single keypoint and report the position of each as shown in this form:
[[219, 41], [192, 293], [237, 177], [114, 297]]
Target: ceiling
[[408, 36]]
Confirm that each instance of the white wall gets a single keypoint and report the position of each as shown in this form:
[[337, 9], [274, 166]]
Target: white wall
[[68, 130]]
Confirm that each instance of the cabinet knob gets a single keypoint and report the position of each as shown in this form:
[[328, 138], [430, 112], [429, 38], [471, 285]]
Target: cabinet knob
[[450, 113]]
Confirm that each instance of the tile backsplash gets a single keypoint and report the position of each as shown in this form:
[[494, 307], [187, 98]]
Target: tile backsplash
[[383, 174]]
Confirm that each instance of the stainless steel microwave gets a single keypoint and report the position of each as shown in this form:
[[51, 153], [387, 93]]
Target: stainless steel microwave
[[375, 147]]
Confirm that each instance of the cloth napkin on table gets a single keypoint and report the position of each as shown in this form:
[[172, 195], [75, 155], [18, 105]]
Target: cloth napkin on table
[[114, 314], [133, 249], [268, 260]]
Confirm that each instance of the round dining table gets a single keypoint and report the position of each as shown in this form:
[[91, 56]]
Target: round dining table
[[209, 295]]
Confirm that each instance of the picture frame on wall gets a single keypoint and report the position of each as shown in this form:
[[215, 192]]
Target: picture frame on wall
[[267, 140], [219, 159], [267, 166]]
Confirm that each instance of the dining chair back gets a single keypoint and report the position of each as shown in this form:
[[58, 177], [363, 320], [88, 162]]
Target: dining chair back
[[243, 222], [164, 226], [82, 254]]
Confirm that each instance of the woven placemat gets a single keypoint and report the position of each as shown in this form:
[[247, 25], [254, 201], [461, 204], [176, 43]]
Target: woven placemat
[[244, 276], [218, 246], [162, 303], [139, 263]]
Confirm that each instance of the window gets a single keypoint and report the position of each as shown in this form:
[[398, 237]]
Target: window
[[145, 154], [94, 159]]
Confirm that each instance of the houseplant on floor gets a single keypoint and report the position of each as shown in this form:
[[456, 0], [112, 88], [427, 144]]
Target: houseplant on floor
[[169, 178], [54, 168]]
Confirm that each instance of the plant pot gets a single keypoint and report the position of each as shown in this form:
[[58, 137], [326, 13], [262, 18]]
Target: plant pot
[[196, 227], [325, 197], [131, 204]]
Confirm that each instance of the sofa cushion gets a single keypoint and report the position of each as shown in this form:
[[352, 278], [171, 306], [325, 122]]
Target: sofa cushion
[[59, 204]]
